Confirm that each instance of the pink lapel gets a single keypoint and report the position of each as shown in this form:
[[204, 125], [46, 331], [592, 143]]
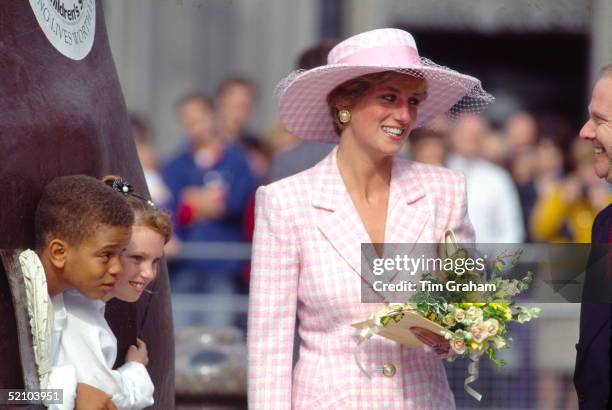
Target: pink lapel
[[336, 215], [339, 221], [408, 214]]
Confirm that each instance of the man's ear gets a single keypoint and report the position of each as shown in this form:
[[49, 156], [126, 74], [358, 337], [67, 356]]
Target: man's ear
[[58, 251]]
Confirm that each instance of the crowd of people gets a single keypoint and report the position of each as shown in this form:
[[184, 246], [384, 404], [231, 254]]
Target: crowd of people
[[528, 180]]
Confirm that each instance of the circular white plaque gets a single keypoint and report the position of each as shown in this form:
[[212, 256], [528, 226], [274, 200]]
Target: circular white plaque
[[70, 25]]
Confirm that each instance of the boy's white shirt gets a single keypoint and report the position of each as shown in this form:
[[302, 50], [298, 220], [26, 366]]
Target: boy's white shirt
[[82, 345], [62, 376], [89, 345], [47, 331]]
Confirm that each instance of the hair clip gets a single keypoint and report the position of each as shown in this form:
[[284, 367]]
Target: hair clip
[[124, 187], [143, 199], [121, 185]]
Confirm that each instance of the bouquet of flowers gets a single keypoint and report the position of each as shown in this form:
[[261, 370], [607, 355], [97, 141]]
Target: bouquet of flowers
[[474, 323]]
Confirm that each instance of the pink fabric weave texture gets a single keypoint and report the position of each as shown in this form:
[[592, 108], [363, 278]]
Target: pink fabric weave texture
[[306, 262]]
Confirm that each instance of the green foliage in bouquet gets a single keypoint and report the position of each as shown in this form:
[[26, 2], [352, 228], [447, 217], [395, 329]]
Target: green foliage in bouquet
[[474, 323]]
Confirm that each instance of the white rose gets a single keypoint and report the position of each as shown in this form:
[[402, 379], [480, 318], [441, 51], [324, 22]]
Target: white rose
[[459, 315], [492, 326], [474, 313], [479, 333], [458, 346]]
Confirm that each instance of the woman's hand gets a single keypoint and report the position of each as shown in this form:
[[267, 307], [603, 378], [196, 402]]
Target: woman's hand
[[437, 343], [138, 353]]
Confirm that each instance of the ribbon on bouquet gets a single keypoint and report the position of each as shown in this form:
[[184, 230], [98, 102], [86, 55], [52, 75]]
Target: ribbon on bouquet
[[367, 332], [473, 376]]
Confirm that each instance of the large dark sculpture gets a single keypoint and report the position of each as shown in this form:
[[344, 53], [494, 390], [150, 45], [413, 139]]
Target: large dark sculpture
[[61, 116]]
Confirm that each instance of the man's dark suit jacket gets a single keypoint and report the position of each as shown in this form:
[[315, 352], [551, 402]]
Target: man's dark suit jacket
[[592, 372]]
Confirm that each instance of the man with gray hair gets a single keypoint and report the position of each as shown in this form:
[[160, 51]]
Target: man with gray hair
[[592, 372]]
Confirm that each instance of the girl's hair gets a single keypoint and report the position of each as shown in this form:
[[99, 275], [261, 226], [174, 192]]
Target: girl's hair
[[349, 92], [145, 212]]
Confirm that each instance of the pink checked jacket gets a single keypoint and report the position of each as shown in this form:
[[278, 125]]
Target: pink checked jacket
[[306, 262]]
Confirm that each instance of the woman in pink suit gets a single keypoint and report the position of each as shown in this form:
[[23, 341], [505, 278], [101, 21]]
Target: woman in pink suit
[[309, 228]]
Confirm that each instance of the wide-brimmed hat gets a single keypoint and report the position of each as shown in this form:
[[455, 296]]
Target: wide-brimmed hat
[[303, 105]]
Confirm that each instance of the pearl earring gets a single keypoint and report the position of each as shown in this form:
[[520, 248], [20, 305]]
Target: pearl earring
[[344, 116]]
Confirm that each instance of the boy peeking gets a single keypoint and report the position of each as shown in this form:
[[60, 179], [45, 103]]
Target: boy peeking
[[82, 226]]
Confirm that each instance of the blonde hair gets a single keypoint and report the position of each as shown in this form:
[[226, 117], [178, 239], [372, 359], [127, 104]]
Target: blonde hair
[[145, 213], [347, 94]]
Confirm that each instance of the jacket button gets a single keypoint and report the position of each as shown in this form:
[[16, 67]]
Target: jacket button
[[389, 370], [581, 398]]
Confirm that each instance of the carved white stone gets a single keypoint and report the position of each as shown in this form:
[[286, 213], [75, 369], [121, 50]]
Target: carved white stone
[[40, 311]]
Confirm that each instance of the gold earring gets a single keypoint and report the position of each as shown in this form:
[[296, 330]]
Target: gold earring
[[344, 116]]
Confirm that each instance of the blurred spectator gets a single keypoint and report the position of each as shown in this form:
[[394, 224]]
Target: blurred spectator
[[495, 149], [548, 164], [566, 208], [315, 55], [428, 146], [304, 154], [521, 132], [160, 194], [159, 191], [211, 183], [523, 168], [493, 203], [278, 138], [259, 155], [234, 103], [233, 106]]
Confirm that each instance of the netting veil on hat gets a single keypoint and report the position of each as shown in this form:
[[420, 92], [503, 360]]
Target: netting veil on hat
[[303, 107]]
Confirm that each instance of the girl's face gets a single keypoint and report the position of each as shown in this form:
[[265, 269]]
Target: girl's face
[[140, 263], [383, 118]]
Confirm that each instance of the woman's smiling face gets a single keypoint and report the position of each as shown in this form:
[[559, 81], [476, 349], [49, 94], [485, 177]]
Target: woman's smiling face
[[140, 263], [382, 119]]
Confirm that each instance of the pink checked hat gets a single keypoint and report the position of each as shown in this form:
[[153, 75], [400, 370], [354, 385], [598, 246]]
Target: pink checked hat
[[303, 108]]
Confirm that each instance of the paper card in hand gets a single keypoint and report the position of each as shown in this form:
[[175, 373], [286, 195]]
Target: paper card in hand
[[400, 331]]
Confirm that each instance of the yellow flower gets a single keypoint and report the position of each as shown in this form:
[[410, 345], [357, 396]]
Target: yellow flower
[[449, 319], [503, 308]]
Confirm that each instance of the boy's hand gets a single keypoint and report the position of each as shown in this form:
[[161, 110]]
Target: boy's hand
[[90, 398], [138, 353]]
